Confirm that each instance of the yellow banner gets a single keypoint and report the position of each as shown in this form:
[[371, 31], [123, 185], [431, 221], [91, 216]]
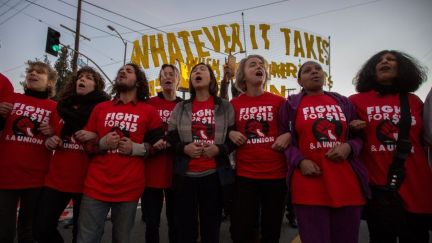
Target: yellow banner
[[284, 48]]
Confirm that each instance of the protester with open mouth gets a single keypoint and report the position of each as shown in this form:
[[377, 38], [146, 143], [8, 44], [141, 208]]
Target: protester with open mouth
[[23, 157], [326, 179], [68, 166], [260, 189], [116, 173], [391, 124], [198, 131], [159, 167]]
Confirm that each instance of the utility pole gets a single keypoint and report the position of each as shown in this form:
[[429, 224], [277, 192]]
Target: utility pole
[[77, 37]]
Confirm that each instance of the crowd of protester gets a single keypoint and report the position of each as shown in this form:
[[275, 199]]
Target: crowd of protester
[[332, 160]]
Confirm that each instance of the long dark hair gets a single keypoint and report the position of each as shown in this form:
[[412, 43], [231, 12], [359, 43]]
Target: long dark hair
[[69, 89], [143, 92], [213, 87], [410, 73]]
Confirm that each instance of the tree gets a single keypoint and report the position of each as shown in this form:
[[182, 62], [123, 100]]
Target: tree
[[63, 68]]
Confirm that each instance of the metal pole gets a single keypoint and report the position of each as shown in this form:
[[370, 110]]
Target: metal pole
[[329, 61], [88, 58], [244, 35], [124, 42], [124, 57], [77, 36]]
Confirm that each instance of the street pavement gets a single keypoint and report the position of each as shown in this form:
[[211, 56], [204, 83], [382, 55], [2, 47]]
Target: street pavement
[[288, 234]]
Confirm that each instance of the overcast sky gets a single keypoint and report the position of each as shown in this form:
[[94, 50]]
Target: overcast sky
[[358, 28]]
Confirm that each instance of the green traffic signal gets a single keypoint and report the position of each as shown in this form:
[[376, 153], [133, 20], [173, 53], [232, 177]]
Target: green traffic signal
[[53, 42], [56, 48]]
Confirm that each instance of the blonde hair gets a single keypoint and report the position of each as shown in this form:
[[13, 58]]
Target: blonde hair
[[52, 76], [240, 82]]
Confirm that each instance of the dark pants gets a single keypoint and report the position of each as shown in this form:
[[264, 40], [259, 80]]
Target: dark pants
[[328, 225], [251, 197], [151, 206], [413, 229], [199, 198], [51, 205], [28, 199]]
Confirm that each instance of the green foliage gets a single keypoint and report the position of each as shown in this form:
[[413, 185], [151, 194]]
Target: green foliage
[[63, 66]]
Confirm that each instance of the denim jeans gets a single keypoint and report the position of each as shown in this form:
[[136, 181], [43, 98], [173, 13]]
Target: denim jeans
[[92, 217]]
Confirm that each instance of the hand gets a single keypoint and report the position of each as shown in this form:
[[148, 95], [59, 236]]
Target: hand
[[46, 129], [227, 75], [160, 144], [357, 124], [125, 146], [237, 138], [339, 153], [210, 150], [282, 142], [112, 140], [5, 108], [84, 136], [194, 150], [53, 142], [309, 168]]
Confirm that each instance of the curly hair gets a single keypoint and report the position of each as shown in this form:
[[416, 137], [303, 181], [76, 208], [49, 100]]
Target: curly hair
[[51, 72], [69, 89], [143, 92], [410, 73], [213, 87], [240, 82]]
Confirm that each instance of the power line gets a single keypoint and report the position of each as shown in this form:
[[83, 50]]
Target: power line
[[11, 69], [85, 44], [151, 27], [91, 26], [133, 31], [211, 16], [328, 11], [226, 13], [5, 3], [19, 11], [11, 8]]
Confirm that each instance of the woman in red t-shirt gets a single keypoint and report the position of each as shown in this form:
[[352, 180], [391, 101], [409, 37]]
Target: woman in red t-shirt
[[24, 161], [325, 175], [68, 166], [380, 82], [260, 189], [198, 130]]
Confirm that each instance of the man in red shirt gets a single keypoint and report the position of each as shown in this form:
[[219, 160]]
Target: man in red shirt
[[116, 175], [159, 168]]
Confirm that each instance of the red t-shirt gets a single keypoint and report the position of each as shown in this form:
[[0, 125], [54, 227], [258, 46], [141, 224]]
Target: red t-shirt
[[322, 125], [24, 160], [382, 114], [112, 176], [68, 166], [159, 167], [203, 131], [6, 88], [257, 119]]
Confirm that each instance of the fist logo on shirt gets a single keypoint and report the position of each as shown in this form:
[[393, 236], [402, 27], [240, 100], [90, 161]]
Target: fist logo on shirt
[[121, 132], [326, 130], [387, 132], [256, 129], [24, 126]]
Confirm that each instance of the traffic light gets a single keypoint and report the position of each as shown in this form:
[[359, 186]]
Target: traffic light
[[53, 42]]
